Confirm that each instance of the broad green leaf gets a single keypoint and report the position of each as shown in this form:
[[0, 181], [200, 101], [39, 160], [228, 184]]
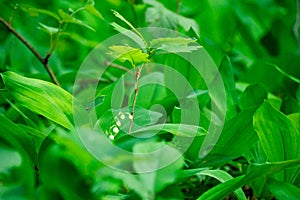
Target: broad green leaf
[[60, 174], [70, 19], [237, 136], [253, 96], [257, 155], [283, 190], [159, 16], [186, 173], [173, 45], [278, 136], [36, 11], [158, 175], [256, 170], [127, 53], [48, 29], [290, 105], [295, 118], [66, 167], [41, 97], [227, 74], [223, 176], [17, 138], [16, 175], [183, 130], [180, 41], [184, 133]]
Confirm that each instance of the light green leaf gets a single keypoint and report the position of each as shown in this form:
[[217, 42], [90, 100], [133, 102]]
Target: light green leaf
[[278, 136], [255, 170], [155, 43], [227, 73], [118, 15], [283, 190], [36, 11], [223, 176], [127, 53], [295, 118], [90, 8], [177, 44], [70, 19], [41, 97], [48, 29], [183, 130]]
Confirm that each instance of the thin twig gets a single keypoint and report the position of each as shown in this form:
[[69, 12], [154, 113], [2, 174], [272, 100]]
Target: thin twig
[[53, 43], [297, 23], [12, 14], [177, 12], [32, 49], [178, 6], [114, 65], [136, 91]]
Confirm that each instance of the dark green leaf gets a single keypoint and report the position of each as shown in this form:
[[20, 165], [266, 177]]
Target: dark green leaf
[[257, 170], [223, 176], [237, 136], [283, 190], [158, 175], [278, 137], [253, 96]]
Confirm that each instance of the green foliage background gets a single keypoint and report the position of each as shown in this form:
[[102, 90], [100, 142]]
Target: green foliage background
[[256, 47]]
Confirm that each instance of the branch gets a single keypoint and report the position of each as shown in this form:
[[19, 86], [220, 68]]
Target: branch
[[297, 23], [32, 49], [118, 67], [136, 91]]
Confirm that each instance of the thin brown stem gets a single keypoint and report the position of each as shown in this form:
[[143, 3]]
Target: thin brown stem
[[53, 43], [136, 91], [114, 65], [32, 49]]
